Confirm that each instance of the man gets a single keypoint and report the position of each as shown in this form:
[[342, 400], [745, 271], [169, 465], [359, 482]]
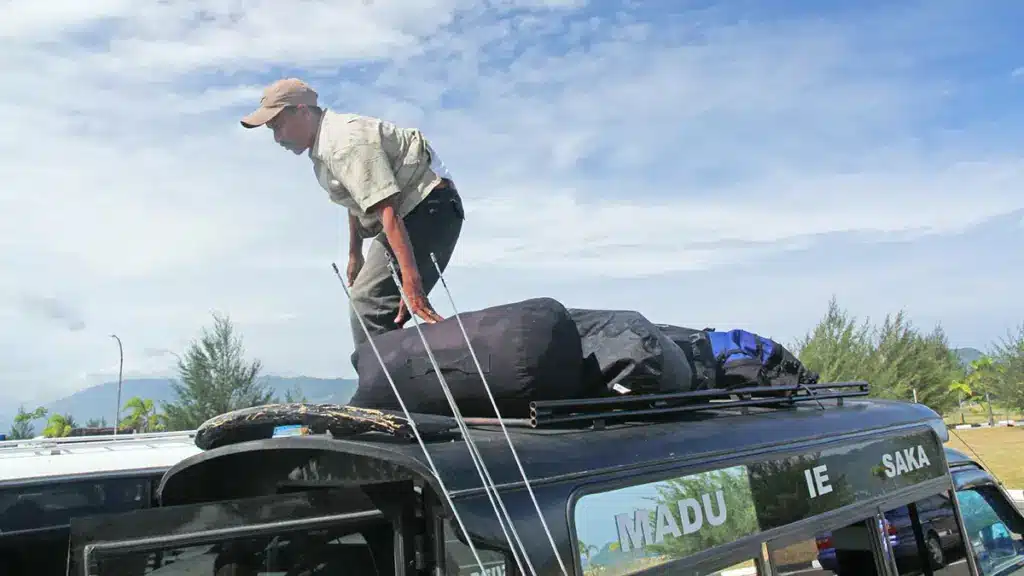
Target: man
[[394, 187]]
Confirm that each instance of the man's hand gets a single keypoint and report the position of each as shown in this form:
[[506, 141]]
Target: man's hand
[[412, 284], [418, 302], [355, 264]]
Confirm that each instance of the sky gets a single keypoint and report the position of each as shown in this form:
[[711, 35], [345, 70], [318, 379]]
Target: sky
[[729, 164]]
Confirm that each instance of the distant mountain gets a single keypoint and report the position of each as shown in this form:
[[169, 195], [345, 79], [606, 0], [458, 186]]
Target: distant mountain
[[968, 355], [100, 401]]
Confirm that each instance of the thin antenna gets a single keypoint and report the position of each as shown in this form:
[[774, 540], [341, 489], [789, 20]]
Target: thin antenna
[[412, 423], [971, 448], [497, 413], [474, 454]]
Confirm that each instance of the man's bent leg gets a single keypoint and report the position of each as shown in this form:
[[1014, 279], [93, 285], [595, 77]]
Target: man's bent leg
[[434, 227], [374, 295]]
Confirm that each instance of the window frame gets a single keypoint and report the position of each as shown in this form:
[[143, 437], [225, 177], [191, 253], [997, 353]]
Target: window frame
[[751, 546], [177, 526], [93, 553], [64, 484], [967, 476], [809, 528], [1009, 506]]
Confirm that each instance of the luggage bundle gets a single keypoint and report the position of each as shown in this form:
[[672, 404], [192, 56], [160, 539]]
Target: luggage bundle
[[538, 349], [528, 351]]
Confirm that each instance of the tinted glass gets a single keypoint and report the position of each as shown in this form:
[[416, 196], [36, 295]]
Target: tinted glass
[[845, 551], [994, 528], [926, 539], [53, 505], [306, 552]]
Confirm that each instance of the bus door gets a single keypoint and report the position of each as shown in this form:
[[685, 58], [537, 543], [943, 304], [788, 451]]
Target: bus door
[[320, 531]]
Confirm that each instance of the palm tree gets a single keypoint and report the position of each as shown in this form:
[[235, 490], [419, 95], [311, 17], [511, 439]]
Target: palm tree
[[59, 426], [142, 416]]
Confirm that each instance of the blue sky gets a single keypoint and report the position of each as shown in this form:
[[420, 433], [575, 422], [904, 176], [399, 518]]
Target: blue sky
[[728, 164]]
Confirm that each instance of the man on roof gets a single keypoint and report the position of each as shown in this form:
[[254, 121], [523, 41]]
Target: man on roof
[[394, 187]]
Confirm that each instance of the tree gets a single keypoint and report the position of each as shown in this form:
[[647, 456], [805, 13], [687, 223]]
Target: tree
[[59, 426], [586, 551], [96, 423], [214, 377], [294, 395], [1008, 383], [142, 416], [23, 427], [897, 359], [838, 348], [983, 379], [738, 518]]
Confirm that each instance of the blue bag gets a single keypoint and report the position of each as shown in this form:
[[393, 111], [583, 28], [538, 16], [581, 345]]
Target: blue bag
[[746, 359], [737, 359]]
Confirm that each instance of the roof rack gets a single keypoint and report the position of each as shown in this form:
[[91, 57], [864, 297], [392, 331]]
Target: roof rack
[[56, 446], [599, 411]]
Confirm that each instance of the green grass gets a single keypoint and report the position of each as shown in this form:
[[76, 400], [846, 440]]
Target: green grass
[[1001, 451]]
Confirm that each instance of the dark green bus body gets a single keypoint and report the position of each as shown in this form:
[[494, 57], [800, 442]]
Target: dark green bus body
[[857, 486]]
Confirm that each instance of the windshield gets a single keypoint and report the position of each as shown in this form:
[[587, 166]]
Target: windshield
[[52, 505], [355, 550]]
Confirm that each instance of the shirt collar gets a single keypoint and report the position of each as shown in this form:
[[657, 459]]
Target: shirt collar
[[314, 149]]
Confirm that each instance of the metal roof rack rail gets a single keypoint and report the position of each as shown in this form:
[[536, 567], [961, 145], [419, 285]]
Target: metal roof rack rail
[[598, 411], [121, 438], [87, 444]]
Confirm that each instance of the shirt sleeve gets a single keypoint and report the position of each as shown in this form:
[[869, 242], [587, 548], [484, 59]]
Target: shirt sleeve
[[364, 170]]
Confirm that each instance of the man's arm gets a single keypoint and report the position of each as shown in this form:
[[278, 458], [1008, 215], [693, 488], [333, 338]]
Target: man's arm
[[364, 170], [355, 238], [398, 238]]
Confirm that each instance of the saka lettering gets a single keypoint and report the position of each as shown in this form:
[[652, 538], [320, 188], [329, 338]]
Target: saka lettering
[[905, 460], [635, 530]]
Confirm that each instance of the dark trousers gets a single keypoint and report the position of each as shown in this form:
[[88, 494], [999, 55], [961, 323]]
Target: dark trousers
[[434, 227]]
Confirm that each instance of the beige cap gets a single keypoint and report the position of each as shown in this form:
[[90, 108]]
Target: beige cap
[[277, 97]]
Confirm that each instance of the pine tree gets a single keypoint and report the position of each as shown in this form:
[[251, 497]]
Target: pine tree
[[214, 377]]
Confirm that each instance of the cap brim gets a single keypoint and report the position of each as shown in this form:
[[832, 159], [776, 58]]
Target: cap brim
[[260, 117]]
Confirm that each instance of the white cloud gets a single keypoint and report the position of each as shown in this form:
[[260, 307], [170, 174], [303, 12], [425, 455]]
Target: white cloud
[[588, 142]]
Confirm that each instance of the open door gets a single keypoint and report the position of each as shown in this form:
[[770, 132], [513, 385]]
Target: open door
[[324, 531]]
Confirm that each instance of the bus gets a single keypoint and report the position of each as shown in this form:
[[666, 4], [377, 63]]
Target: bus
[[809, 480], [46, 482]]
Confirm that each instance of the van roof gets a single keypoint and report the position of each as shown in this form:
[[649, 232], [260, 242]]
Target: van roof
[[560, 454], [727, 434], [45, 458]]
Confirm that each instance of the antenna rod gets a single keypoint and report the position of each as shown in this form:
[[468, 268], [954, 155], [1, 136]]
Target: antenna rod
[[412, 423], [474, 453], [497, 414]]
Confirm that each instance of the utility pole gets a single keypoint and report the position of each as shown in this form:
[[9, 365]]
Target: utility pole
[[120, 373]]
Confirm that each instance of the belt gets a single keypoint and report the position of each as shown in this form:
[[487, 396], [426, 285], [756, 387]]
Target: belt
[[445, 184]]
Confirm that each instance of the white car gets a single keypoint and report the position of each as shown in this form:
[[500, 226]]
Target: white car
[[46, 482]]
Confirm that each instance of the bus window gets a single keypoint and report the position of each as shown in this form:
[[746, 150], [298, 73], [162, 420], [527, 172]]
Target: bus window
[[53, 505], [925, 538], [459, 558], [994, 530], [34, 519], [310, 551], [845, 551]]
